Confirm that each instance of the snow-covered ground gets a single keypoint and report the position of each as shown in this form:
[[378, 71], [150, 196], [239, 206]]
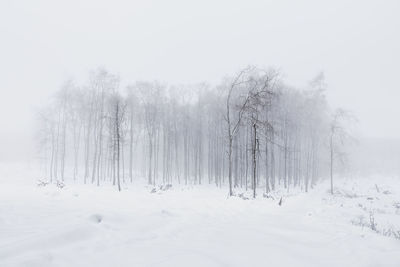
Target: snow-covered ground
[[82, 225]]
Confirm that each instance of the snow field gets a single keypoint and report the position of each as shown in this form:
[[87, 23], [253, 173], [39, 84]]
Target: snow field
[[83, 225]]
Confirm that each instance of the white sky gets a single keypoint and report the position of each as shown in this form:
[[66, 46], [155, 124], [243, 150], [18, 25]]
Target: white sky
[[356, 43]]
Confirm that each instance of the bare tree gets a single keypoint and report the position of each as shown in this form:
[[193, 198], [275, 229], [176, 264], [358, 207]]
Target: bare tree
[[337, 136], [118, 116], [233, 122]]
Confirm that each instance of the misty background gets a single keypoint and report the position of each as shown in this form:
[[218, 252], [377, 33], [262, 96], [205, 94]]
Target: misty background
[[355, 44]]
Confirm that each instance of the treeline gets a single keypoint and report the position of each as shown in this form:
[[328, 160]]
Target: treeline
[[251, 131]]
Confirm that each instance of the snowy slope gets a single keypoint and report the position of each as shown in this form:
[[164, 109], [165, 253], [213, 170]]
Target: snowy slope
[[82, 225]]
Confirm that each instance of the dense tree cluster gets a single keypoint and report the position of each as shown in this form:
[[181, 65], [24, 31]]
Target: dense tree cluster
[[251, 132]]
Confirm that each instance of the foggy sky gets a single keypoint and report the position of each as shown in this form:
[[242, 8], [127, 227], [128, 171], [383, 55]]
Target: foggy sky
[[355, 43]]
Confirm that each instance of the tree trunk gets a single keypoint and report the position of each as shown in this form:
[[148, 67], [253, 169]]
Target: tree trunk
[[254, 148], [331, 150]]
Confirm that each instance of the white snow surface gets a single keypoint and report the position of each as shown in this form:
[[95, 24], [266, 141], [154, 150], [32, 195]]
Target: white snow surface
[[85, 225]]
